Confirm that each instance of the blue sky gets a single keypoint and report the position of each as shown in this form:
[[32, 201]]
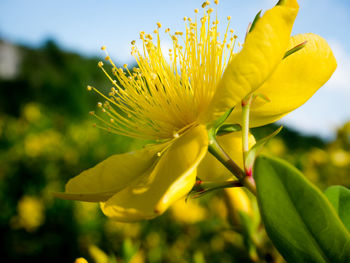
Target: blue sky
[[84, 25]]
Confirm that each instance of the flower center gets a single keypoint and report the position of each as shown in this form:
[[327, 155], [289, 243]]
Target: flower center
[[162, 97]]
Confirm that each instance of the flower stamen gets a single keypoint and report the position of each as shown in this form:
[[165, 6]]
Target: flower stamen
[[161, 99]]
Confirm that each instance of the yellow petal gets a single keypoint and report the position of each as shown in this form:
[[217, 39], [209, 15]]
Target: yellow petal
[[172, 178], [262, 51], [210, 169], [295, 80], [111, 175]]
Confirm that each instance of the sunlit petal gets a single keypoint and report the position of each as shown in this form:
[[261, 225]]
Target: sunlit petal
[[172, 178], [295, 80], [109, 176], [262, 51]]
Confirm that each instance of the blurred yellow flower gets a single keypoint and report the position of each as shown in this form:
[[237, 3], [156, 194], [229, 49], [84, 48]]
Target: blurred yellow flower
[[80, 260], [30, 213], [98, 255], [114, 229], [31, 112], [188, 212], [47, 142], [175, 101], [340, 158]]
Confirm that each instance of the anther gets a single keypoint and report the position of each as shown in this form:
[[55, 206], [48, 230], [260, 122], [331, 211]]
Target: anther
[[99, 104], [92, 113], [142, 34], [89, 88], [185, 18], [107, 58], [159, 154], [133, 42], [103, 48], [159, 25], [206, 3], [125, 65], [196, 11], [216, 2], [100, 64], [229, 18]]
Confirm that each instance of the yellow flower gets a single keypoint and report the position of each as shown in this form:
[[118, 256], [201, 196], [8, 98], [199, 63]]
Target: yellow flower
[[31, 213], [174, 101]]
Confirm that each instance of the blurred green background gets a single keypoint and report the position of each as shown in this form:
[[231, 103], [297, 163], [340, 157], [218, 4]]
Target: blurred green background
[[47, 137]]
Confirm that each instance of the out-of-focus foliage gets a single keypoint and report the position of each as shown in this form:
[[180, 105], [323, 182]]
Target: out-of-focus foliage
[[46, 137]]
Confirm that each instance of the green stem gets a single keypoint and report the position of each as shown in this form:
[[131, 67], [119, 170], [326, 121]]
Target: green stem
[[245, 126], [219, 153]]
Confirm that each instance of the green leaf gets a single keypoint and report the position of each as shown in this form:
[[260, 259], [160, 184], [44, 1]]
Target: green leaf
[[299, 219], [339, 196]]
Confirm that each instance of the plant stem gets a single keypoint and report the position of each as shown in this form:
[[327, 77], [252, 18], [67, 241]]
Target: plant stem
[[219, 153], [245, 127]]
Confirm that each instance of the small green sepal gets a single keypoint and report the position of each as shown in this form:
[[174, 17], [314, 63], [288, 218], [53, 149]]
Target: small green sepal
[[295, 49], [201, 188], [256, 18], [281, 2], [261, 96], [217, 123], [256, 149], [228, 128]]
